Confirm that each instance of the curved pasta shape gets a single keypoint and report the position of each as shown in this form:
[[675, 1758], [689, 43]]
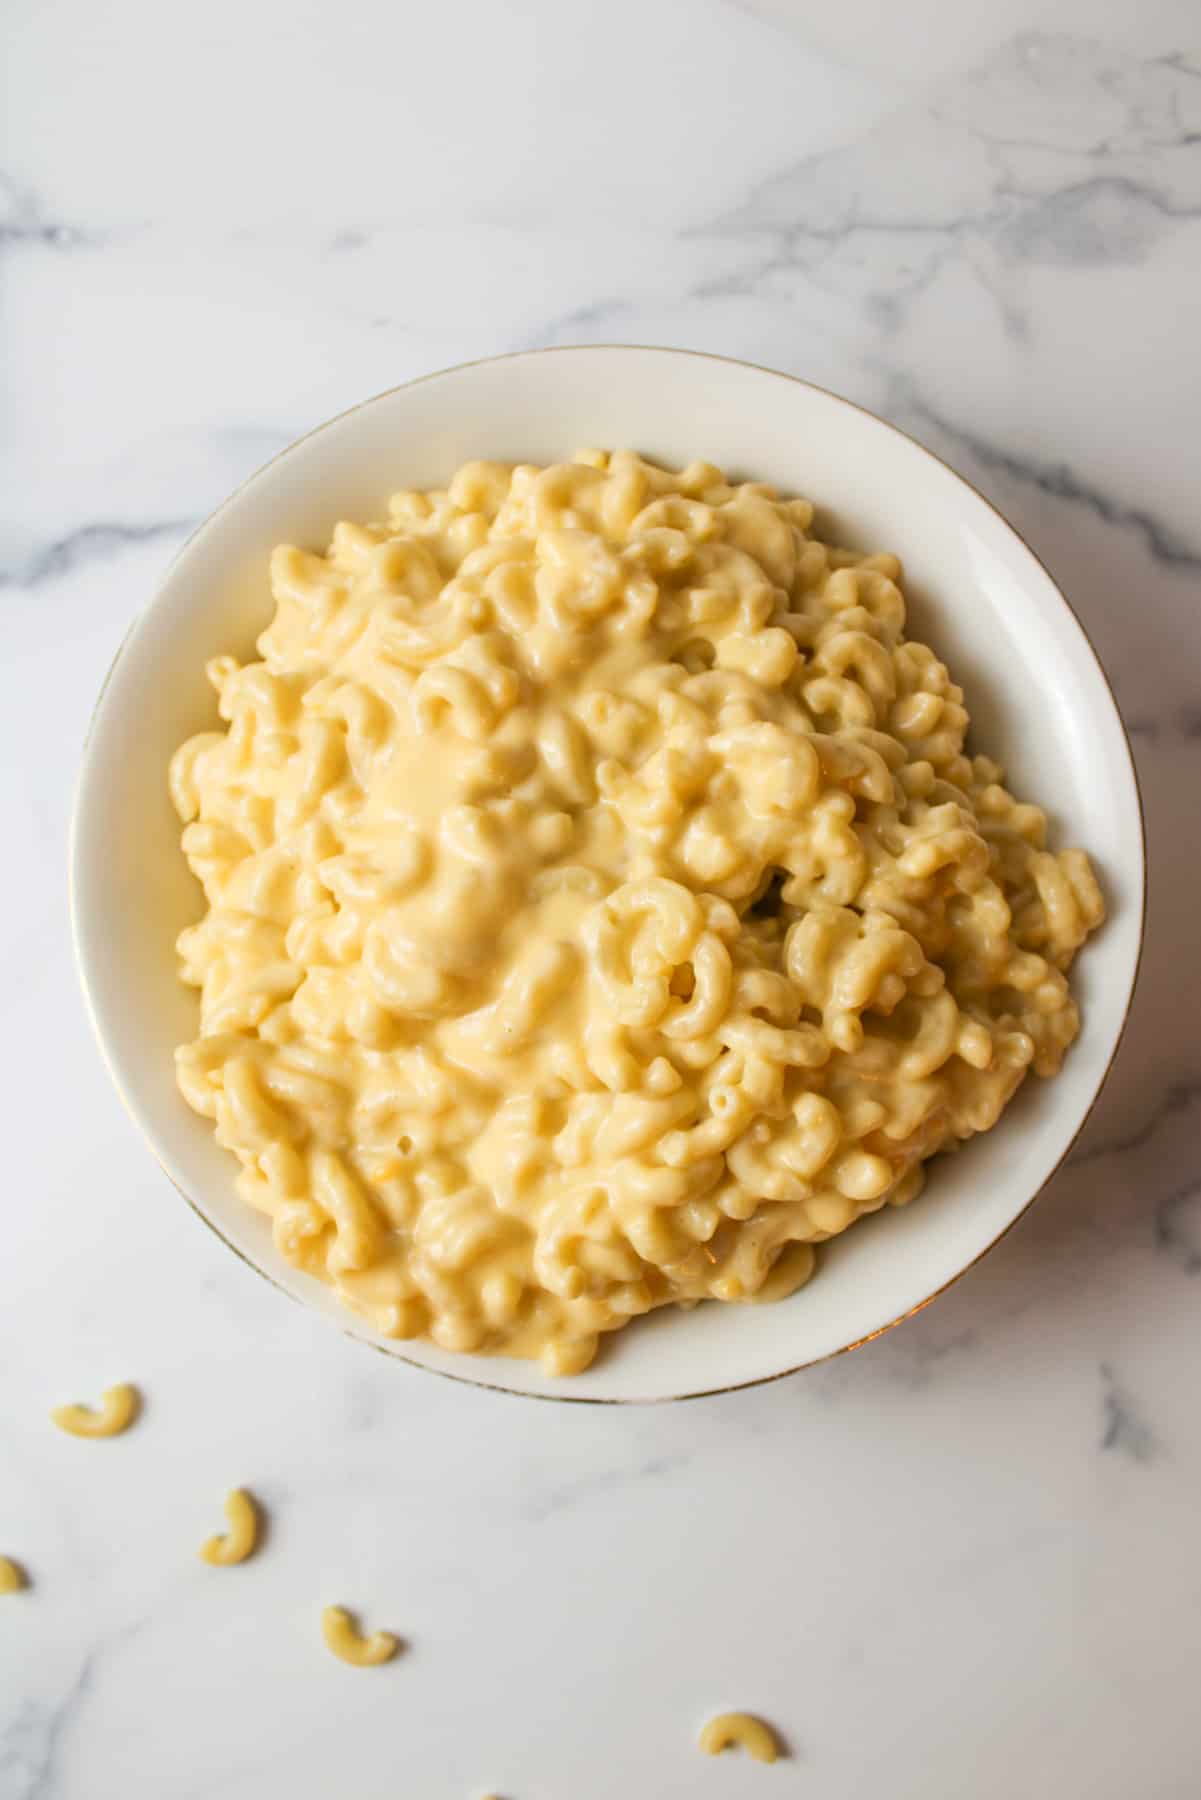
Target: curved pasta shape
[[119, 1407], [362, 1651], [743, 1730], [455, 695], [12, 1576], [637, 938], [241, 1540], [712, 980], [600, 906]]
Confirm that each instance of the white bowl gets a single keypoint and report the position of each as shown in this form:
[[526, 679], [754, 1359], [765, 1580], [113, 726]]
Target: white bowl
[[1035, 690]]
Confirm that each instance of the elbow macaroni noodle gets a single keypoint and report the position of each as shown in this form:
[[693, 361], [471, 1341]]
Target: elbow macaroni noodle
[[602, 909], [12, 1576], [363, 1650], [241, 1539], [116, 1413], [743, 1729]]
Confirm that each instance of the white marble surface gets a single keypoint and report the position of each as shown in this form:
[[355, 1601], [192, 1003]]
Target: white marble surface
[[962, 1561]]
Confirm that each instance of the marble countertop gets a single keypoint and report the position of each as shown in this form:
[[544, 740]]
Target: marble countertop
[[962, 1561]]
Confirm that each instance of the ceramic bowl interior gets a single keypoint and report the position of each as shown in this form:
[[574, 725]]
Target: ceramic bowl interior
[[1036, 694]]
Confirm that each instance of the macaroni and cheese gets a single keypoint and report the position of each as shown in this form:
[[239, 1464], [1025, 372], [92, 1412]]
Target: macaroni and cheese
[[602, 908]]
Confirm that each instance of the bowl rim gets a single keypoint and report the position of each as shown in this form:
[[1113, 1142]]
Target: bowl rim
[[129, 1104]]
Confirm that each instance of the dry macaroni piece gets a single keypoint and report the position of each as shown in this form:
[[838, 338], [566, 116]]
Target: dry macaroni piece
[[117, 1411], [602, 909], [241, 1539], [756, 1738], [364, 1651], [12, 1576]]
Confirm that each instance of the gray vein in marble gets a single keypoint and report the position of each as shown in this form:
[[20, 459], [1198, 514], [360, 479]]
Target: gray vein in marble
[[1179, 61], [1178, 1099], [587, 1487], [1089, 98], [1165, 544], [1178, 1226], [31, 1744], [87, 544], [1123, 1427], [1104, 222], [913, 1357], [1183, 722], [1096, 184], [26, 232], [579, 318], [24, 224]]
